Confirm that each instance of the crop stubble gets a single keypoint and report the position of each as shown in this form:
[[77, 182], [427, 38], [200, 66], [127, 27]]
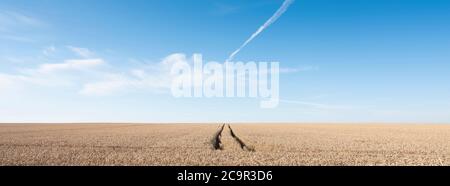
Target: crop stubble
[[238, 144]]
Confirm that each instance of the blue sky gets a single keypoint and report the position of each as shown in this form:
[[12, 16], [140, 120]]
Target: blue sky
[[349, 60]]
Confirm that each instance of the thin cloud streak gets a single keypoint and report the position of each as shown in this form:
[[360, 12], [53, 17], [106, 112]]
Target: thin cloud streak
[[10, 19], [318, 105], [271, 20], [82, 52]]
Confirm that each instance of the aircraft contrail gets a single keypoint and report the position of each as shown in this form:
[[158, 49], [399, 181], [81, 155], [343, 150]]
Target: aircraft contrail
[[271, 20]]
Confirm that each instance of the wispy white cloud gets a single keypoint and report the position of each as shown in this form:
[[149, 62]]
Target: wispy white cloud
[[71, 64], [16, 38], [111, 84], [154, 77], [95, 77], [23, 19], [14, 25], [82, 52], [12, 19], [49, 75], [319, 105], [287, 70], [47, 51], [63, 73], [270, 21]]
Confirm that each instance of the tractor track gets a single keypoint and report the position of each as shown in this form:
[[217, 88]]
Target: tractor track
[[239, 141], [217, 142]]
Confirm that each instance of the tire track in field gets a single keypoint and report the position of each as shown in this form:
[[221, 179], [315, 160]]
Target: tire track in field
[[216, 142], [239, 141]]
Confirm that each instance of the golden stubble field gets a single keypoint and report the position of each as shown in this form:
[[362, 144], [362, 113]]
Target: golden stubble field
[[252, 144]]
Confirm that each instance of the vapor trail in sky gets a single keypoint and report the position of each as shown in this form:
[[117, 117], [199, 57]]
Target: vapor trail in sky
[[271, 20]]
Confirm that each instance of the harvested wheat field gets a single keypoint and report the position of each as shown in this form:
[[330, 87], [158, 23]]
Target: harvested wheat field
[[214, 144]]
